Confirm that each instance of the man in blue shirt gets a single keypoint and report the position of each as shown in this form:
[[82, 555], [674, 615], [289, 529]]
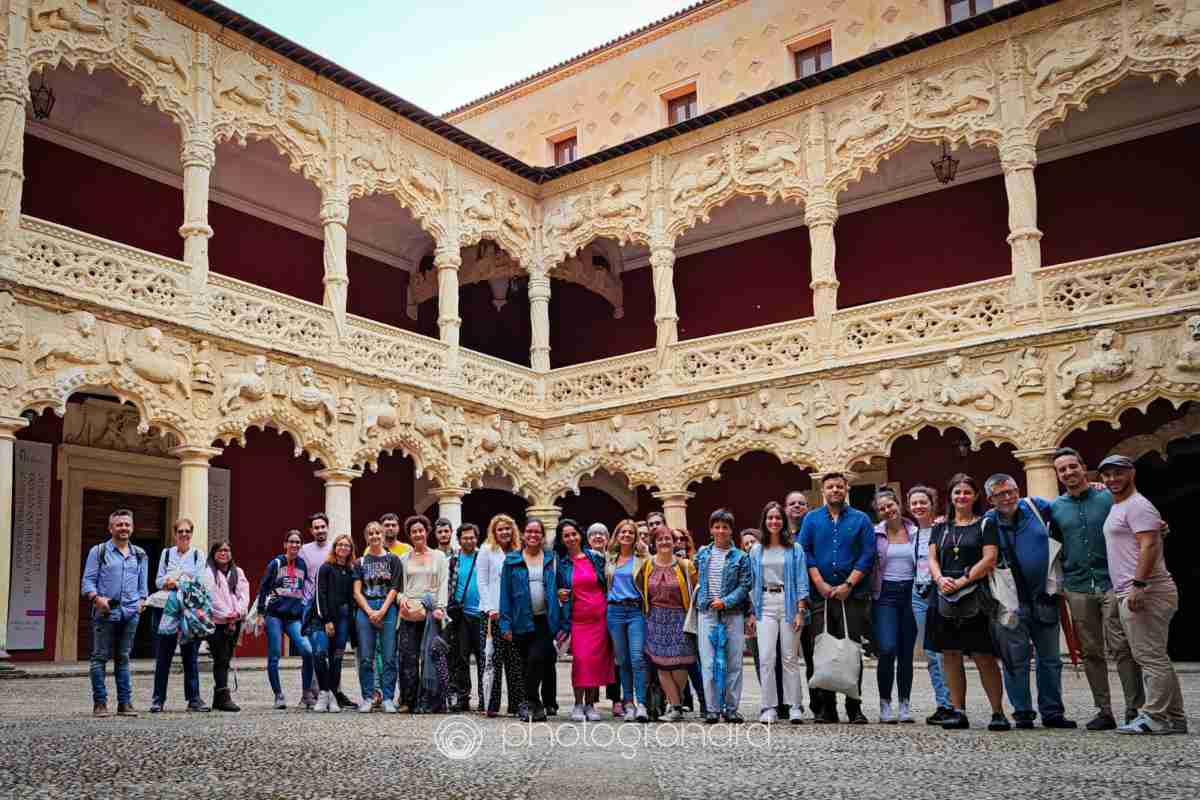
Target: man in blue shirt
[[839, 544], [115, 582], [466, 634], [1025, 545]]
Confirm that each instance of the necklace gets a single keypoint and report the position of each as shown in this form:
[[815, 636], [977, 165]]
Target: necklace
[[962, 531]]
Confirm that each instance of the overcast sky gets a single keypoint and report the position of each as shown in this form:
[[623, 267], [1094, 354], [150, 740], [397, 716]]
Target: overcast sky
[[441, 55]]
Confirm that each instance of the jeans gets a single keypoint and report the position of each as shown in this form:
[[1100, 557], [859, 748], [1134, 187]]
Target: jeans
[[627, 627], [1044, 639], [276, 628], [164, 646], [112, 640], [778, 642], [367, 635], [895, 629], [735, 645], [326, 664], [933, 659]]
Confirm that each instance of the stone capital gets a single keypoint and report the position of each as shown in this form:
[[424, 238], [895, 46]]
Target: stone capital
[[335, 210], [195, 455], [662, 256], [673, 499], [10, 425], [1036, 457], [198, 151], [338, 476], [449, 494], [820, 209]]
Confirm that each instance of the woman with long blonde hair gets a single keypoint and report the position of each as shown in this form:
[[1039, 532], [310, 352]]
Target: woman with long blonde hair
[[626, 623], [501, 540]]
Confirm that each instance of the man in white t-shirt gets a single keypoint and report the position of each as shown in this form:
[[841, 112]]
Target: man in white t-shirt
[[1147, 598], [314, 554]]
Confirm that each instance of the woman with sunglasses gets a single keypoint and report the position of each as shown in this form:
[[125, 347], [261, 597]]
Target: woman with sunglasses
[[182, 559], [230, 593], [281, 604]]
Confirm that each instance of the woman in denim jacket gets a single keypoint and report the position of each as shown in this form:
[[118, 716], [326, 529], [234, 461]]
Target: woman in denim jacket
[[529, 616], [779, 603]]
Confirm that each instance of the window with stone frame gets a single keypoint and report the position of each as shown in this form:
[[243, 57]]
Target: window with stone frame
[[812, 60], [565, 151], [682, 108]]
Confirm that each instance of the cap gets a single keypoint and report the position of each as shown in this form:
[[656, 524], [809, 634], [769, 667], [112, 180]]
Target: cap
[[1116, 462]]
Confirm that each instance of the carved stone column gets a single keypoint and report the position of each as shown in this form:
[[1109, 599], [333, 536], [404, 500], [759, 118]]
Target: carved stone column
[[447, 260], [193, 489], [198, 155], [450, 503], [337, 497], [1040, 478], [820, 214], [1018, 157], [335, 215], [666, 320], [8, 436], [549, 514], [675, 507], [539, 317], [14, 94]]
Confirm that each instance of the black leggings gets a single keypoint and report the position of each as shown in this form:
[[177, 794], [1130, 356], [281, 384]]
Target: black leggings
[[220, 646], [537, 654]]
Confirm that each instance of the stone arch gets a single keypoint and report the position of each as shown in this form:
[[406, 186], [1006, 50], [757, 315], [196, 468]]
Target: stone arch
[[1145, 444], [319, 446], [616, 485], [526, 481], [709, 462], [701, 212], [428, 460], [1110, 411], [977, 435]]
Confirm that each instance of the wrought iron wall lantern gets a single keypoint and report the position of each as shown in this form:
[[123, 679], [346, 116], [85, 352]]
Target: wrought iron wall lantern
[[42, 98], [946, 167]]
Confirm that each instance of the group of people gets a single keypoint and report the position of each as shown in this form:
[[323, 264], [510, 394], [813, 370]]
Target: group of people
[[639, 610]]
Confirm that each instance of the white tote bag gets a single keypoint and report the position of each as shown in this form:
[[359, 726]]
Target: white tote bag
[[1003, 586], [837, 663]]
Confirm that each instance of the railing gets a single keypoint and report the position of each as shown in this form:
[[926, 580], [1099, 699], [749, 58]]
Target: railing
[[93, 269], [945, 315], [756, 352], [1097, 287], [611, 379]]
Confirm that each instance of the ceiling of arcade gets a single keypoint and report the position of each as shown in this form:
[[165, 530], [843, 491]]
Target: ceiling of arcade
[[1109, 334]]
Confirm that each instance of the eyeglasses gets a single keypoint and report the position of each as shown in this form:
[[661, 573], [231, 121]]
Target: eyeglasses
[[1005, 493], [187, 531]]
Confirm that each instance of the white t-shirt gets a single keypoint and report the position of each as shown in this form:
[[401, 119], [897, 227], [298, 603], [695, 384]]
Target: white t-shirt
[[1135, 514], [314, 555]]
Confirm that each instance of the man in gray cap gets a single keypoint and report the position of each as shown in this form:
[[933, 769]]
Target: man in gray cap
[[1147, 597]]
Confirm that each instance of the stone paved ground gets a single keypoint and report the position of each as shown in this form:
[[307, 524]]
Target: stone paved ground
[[51, 747]]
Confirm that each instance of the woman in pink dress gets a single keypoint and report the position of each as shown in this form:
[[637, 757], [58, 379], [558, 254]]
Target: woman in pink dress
[[582, 594]]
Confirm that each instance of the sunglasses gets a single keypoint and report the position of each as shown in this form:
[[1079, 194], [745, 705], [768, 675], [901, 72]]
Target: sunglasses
[[187, 531]]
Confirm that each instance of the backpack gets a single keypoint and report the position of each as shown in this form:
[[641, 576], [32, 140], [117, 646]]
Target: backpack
[[102, 554]]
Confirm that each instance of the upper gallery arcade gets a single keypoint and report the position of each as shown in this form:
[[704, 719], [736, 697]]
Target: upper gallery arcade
[[742, 247]]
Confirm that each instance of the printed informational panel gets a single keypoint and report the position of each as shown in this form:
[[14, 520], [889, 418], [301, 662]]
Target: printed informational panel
[[30, 546]]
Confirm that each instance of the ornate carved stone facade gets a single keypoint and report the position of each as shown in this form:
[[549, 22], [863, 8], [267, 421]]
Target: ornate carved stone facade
[[1022, 359]]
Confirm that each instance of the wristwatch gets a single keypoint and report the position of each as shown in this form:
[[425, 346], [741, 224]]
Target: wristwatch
[[1139, 584]]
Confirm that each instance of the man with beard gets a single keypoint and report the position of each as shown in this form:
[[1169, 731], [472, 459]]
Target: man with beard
[[314, 554]]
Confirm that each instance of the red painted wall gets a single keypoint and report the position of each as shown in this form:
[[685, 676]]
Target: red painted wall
[[933, 458], [744, 488], [48, 429]]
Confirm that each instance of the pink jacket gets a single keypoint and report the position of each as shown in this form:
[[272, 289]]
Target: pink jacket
[[227, 606]]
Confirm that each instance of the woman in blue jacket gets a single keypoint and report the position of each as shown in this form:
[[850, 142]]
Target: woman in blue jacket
[[529, 616], [281, 604], [779, 603]]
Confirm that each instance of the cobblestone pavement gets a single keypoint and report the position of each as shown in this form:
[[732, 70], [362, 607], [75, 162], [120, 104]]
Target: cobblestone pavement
[[51, 747]]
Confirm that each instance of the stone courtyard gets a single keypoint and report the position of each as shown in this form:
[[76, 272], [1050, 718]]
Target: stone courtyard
[[51, 747]]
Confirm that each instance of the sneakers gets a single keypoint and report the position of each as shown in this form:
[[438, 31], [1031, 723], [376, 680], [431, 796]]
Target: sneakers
[[332, 704], [280, 702], [198, 705], [343, 701], [1102, 722], [642, 715], [538, 713], [322, 704], [733, 717], [999, 722], [956, 721], [156, 707], [796, 716], [768, 716], [631, 713], [578, 714], [308, 698], [674, 714], [100, 710], [365, 707], [523, 713], [125, 710], [389, 707], [941, 715], [711, 718], [905, 716], [1179, 726], [886, 715], [1144, 725]]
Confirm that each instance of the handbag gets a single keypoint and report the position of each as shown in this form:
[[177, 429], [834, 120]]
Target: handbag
[[690, 621], [411, 611], [1003, 585], [837, 663], [961, 605]]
